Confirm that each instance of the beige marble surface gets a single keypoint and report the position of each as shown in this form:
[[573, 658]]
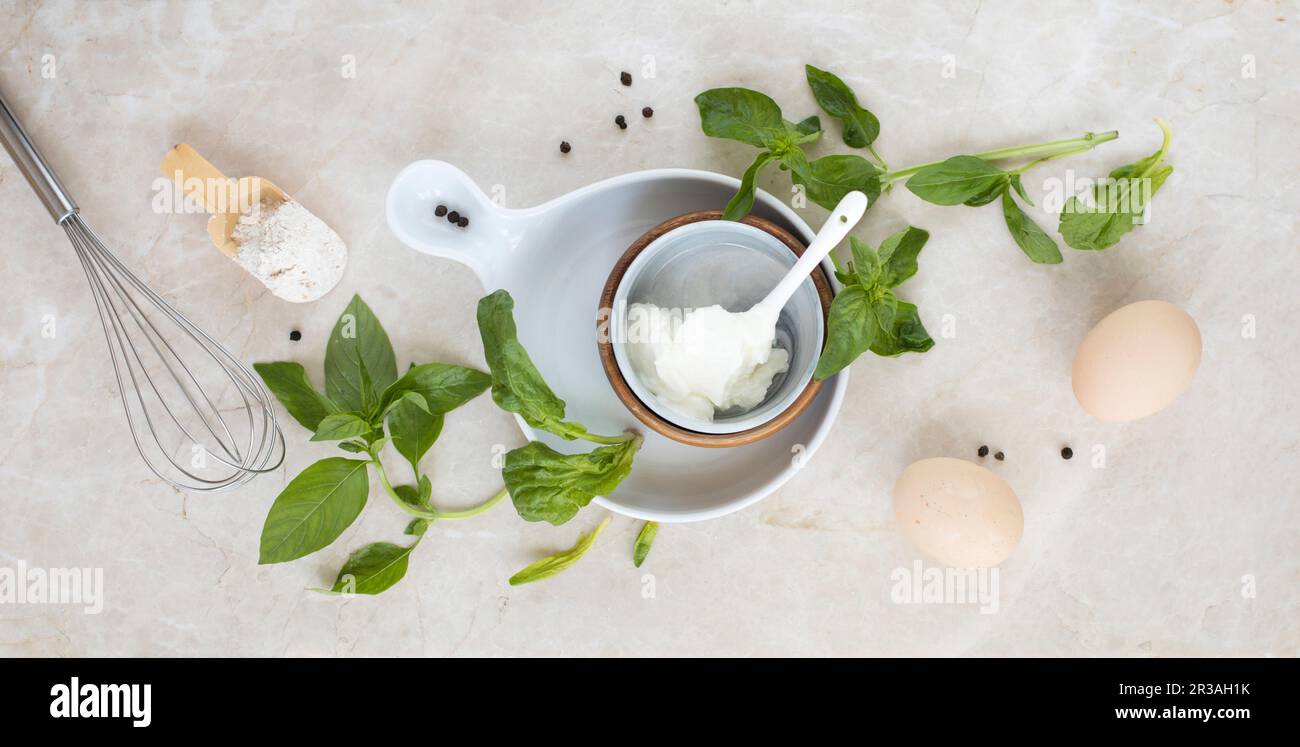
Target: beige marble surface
[[1186, 542]]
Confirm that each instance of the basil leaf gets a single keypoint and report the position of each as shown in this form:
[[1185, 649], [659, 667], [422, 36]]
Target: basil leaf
[[288, 382], [1020, 188], [517, 386], [1118, 207], [898, 255], [373, 569], [553, 564], [741, 114], [1031, 239], [829, 178], [417, 527], [743, 201], [314, 509], [359, 360], [959, 180], [867, 268], [442, 386], [805, 130], [644, 540], [850, 330], [413, 428], [409, 494], [353, 447], [904, 332], [546, 485], [860, 126], [340, 426], [1116, 210]]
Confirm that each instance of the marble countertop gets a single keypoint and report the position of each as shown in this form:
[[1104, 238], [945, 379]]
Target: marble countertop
[[1186, 541]]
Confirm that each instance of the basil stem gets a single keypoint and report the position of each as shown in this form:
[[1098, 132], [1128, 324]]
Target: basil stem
[[1052, 148], [432, 514]]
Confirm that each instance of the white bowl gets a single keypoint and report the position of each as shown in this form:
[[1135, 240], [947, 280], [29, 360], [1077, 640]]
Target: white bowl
[[554, 259]]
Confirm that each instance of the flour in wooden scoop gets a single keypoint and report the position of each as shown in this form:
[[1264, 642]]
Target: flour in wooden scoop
[[290, 250]]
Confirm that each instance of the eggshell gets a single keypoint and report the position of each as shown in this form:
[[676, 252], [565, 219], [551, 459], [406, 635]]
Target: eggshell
[[1136, 361], [959, 513]]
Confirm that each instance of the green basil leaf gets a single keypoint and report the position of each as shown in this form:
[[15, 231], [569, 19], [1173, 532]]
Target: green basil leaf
[[959, 180], [340, 426], [1031, 239], [741, 114], [517, 385], [904, 333], [409, 494], [829, 178], [314, 509], [1118, 207], [288, 382], [795, 161], [898, 255], [353, 447], [546, 485], [553, 564], [443, 386], [373, 569], [860, 126], [644, 540], [743, 201], [412, 428], [805, 130], [1020, 188], [868, 270], [417, 527], [359, 360], [850, 330]]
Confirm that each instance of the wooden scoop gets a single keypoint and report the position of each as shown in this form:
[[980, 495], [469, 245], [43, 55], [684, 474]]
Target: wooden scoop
[[225, 198]]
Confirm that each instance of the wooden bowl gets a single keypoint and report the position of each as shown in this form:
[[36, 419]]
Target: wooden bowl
[[629, 398]]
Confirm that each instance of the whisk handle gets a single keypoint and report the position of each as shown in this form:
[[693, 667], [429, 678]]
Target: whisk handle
[[30, 161]]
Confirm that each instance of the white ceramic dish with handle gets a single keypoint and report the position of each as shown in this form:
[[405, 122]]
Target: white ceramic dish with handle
[[554, 259]]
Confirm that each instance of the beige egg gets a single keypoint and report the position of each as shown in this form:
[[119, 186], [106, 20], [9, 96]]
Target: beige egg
[[959, 513], [1136, 361]]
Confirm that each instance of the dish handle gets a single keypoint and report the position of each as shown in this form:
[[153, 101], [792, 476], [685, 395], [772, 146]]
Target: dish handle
[[410, 208]]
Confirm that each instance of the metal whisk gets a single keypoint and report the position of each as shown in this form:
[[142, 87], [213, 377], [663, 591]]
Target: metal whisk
[[177, 411]]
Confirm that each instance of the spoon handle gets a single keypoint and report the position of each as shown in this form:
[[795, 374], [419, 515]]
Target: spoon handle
[[842, 220]]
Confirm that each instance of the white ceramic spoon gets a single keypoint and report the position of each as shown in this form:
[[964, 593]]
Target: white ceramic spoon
[[842, 220]]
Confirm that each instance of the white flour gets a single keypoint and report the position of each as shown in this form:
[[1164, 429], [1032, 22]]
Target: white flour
[[291, 251]]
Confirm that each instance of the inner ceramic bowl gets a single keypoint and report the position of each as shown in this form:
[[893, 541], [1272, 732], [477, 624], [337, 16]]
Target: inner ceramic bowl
[[698, 260]]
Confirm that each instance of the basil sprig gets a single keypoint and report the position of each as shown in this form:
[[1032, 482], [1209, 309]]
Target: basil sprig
[[364, 396], [1119, 206], [755, 119], [973, 180], [544, 484], [866, 315]]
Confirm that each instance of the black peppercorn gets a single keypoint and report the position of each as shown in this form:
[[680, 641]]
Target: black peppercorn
[[295, 335], [463, 222], [625, 78], [440, 211], [999, 456], [1067, 452], [647, 112], [984, 451], [621, 121], [565, 147], [453, 217]]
